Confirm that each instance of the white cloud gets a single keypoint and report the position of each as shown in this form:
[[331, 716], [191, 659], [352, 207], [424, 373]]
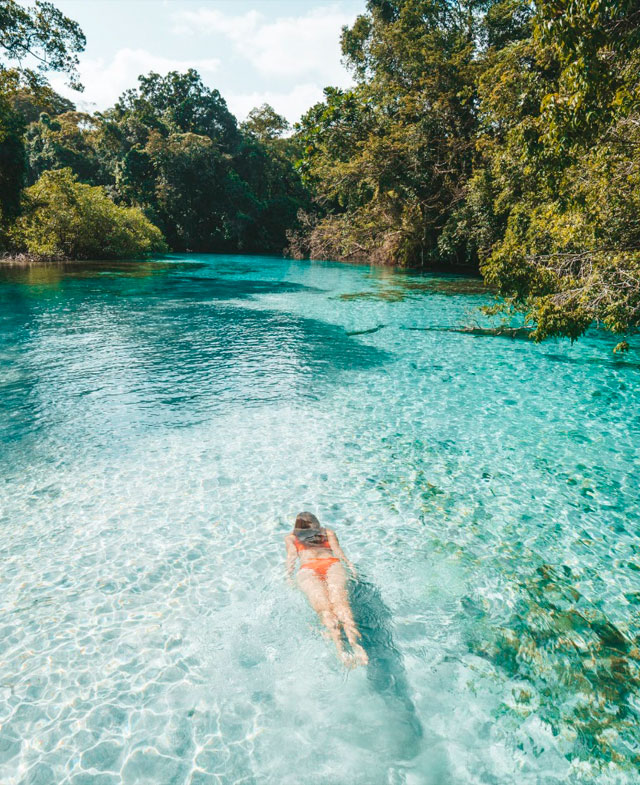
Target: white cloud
[[106, 81], [292, 104], [293, 46]]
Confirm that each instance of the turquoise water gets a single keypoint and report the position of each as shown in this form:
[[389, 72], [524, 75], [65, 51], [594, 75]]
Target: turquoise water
[[160, 426]]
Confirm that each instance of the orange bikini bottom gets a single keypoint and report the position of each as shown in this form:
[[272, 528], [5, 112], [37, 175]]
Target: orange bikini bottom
[[320, 566]]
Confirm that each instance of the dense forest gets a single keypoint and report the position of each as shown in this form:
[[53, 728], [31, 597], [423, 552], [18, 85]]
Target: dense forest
[[169, 156], [499, 135]]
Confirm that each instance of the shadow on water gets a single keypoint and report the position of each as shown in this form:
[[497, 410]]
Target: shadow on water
[[610, 361], [386, 672], [397, 288], [160, 350], [242, 288]]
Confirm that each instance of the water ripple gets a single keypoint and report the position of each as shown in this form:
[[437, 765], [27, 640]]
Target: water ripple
[[160, 426]]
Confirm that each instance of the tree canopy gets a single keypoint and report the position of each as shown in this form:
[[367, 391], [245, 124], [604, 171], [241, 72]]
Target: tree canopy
[[265, 124], [171, 148], [559, 171], [66, 219], [493, 133], [42, 35]]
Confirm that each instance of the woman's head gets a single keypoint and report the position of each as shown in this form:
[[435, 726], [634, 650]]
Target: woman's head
[[308, 530], [306, 520]]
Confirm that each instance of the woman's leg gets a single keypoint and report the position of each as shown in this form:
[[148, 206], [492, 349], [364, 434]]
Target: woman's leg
[[337, 590], [316, 590]]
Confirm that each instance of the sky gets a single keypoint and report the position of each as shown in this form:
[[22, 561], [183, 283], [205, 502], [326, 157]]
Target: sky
[[283, 52]]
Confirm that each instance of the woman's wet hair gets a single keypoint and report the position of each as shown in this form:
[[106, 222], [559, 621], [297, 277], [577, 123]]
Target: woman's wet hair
[[308, 530], [306, 520]]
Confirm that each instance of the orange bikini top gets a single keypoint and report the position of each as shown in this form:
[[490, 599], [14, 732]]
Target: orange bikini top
[[302, 546]]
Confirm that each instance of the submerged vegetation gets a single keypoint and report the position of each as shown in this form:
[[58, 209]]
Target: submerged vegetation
[[496, 135], [560, 660], [556, 636], [400, 288]]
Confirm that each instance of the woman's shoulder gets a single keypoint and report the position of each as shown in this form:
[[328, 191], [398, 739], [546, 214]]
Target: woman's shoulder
[[289, 537]]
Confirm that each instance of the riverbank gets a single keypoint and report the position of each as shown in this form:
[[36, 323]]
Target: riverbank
[[27, 259], [23, 259]]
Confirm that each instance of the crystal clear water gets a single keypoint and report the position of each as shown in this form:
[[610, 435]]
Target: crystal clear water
[[160, 426]]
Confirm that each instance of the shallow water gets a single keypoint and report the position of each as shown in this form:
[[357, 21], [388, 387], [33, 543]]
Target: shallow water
[[160, 426]]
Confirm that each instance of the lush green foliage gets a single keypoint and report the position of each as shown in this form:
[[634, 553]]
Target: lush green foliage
[[169, 147], [172, 148], [502, 133], [12, 153], [43, 35], [388, 159], [559, 173], [66, 219], [265, 124]]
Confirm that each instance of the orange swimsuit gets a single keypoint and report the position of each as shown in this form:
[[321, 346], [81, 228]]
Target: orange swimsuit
[[319, 566]]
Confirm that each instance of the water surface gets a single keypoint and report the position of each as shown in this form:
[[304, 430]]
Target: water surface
[[160, 426]]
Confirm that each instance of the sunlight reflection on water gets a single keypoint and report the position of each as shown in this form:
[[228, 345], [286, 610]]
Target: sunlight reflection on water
[[160, 426]]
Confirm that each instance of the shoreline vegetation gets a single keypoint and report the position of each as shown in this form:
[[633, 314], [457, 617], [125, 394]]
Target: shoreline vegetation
[[24, 258], [497, 137]]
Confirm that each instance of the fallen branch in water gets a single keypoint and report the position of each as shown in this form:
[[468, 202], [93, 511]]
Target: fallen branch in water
[[370, 330], [497, 332]]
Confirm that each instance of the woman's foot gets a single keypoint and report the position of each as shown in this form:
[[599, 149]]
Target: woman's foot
[[360, 655], [347, 659]]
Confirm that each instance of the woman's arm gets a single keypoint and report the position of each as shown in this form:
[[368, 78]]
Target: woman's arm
[[335, 547], [292, 555]]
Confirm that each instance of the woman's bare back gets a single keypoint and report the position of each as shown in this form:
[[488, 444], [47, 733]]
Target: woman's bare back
[[323, 579]]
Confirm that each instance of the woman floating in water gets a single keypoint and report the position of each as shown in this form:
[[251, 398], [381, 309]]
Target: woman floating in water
[[324, 580]]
